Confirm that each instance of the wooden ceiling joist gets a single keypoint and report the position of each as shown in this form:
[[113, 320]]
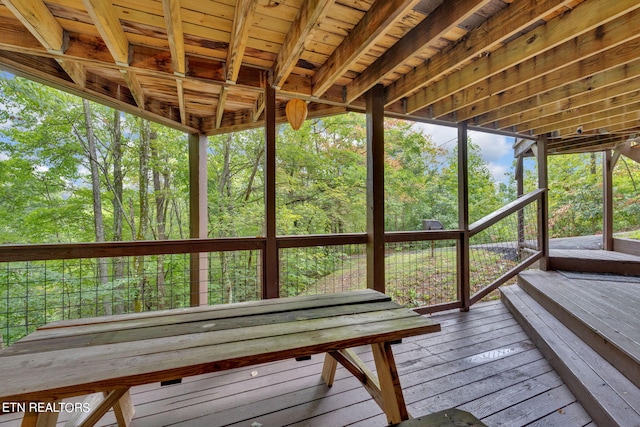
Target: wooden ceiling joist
[[311, 12], [106, 20], [441, 20], [480, 41], [370, 28], [540, 40], [37, 18], [175, 35]]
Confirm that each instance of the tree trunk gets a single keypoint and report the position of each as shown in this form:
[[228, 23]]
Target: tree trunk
[[118, 210], [97, 200], [143, 301], [160, 192]]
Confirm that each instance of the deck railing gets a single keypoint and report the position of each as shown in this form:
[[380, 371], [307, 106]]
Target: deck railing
[[44, 283]]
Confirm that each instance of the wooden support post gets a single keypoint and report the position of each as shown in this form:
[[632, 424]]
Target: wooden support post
[[270, 268], [464, 279], [607, 201], [375, 189], [520, 192], [543, 207], [198, 217]]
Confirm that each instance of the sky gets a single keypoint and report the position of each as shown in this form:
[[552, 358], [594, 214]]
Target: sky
[[496, 150]]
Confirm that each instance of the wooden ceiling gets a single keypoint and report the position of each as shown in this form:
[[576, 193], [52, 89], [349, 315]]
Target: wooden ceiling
[[567, 68]]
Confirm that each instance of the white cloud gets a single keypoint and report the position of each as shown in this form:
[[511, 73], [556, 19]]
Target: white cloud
[[3, 156]]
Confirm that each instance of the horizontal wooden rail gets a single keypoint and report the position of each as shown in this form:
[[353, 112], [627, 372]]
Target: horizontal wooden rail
[[42, 252], [416, 236], [500, 214], [321, 240]]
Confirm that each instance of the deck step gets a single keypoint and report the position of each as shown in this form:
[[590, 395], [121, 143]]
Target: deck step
[[609, 397], [594, 261], [600, 312]]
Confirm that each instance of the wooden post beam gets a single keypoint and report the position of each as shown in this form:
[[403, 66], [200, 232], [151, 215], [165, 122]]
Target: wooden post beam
[[198, 217], [607, 201], [464, 280], [543, 208], [375, 189], [270, 270]]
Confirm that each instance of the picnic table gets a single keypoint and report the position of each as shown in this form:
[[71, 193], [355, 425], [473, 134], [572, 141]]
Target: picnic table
[[103, 357]]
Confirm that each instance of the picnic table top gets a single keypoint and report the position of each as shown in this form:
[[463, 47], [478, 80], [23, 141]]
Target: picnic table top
[[83, 356]]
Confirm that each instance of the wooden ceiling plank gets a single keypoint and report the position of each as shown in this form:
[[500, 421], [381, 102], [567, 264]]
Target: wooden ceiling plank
[[106, 20], [311, 12], [435, 25], [175, 35], [37, 18], [239, 36], [550, 69], [587, 16], [371, 27], [508, 22]]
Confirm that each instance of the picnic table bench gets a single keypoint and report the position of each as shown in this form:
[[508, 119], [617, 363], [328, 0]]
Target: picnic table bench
[[103, 357]]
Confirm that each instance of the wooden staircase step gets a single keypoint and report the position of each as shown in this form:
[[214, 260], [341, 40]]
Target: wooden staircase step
[[594, 261], [604, 320], [609, 397]]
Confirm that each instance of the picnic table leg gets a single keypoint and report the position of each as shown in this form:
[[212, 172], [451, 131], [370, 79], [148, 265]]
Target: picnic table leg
[[39, 419], [392, 397], [329, 369]]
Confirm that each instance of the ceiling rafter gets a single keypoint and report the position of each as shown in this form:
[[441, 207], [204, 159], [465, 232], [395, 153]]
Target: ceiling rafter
[[175, 35], [311, 12], [617, 94], [76, 71], [239, 35], [441, 20], [565, 63], [106, 20], [506, 23], [583, 18], [181, 101], [368, 31], [37, 18], [540, 104]]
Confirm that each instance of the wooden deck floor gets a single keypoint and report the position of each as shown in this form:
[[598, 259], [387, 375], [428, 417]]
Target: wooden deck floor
[[482, 362]]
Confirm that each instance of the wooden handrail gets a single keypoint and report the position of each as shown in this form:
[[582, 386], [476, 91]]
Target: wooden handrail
[[416, 236], [505, 211], [321, 240], [42, 252]]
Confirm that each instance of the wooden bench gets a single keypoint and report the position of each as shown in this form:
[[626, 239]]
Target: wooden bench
[[448, 418], [104, 357]]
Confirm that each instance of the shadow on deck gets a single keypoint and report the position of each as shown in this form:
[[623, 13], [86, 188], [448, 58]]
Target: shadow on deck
[[482, 362]]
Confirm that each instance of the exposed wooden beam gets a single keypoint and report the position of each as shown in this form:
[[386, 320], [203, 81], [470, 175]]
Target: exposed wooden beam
[[239, 36], [134, 86], [259, 107], [181, 101], [105, 18], [525, 112], [547, 70], [311, 12], [441, 20], [76, 71], [37, 18], [40, 70], [508, 22], [175, 35], [222, 99], [585, 17], [370, 28]]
